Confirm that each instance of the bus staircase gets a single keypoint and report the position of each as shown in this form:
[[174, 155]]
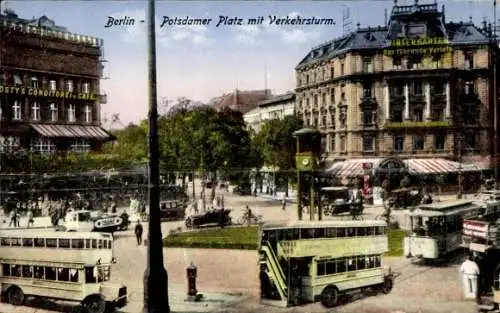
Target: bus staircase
[[275, 273]]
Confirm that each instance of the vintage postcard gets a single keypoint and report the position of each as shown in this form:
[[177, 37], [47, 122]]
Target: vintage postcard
[[249, 156]]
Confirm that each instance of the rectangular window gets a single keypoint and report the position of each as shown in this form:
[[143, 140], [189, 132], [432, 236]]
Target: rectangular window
[[90, 274], [368, 144], [16, 271], [94, 243], [71, 113], [77, 243], [320, 269], [380, 230], [439, 141], [343, 146], [6, 269], [27, 242], [63, 274], [367, 65], [16, 110], [53, 112], [64, 243], [397, 62], [50, 272], [417, 88], [398, 143], [40, 242], [5, 241], [341, 266], [331, 232], [360, 231], [341, 232], [69, 86], [469, 60], [361, 263], [469, 88], [39, 272], [418, 115], [342, 69], [351, 231], [17, 242], [86, 87], [27, 271], [73, 275], [53, 85], [87, 243], [331, 268], [51, 243]]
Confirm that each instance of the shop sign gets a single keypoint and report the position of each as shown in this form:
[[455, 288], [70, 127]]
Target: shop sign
[[430, 45], [22, 91]]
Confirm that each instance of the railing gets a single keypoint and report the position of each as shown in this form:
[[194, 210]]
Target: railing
[[409, 124]]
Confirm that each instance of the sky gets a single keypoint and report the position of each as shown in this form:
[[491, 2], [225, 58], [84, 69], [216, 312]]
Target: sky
[[201, 62]]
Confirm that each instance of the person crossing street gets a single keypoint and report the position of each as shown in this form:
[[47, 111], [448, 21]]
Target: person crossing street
[[138, 232]]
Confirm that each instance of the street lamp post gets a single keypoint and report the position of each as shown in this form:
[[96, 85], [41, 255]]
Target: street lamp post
[[155, 276]]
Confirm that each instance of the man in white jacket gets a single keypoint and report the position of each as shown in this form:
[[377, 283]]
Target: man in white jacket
[[470, 275]]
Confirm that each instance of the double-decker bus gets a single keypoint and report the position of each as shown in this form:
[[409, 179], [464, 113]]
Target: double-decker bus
[[436, 228], [70, 266], [305, 261]]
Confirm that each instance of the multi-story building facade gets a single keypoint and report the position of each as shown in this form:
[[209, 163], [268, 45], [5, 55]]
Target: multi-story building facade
[[49, 88], [419, 88], [277, 107]]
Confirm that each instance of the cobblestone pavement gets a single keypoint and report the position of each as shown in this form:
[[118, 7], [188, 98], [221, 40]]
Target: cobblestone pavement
[[224, 274]]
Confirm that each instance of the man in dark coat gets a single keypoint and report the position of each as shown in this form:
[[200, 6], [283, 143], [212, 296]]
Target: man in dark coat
[[138, 232]]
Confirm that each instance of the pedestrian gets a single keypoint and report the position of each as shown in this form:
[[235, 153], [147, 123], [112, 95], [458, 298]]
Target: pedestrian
[[138, 232], [13, 216], [31, 220], [470, 273], [283, 203], [18, 219]]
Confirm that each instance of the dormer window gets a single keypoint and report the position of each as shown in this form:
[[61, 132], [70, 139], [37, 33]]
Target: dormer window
[[85, 87], [416, 30]]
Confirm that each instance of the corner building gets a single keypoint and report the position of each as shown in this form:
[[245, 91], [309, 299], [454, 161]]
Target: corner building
[[417, 89], [49, 88]]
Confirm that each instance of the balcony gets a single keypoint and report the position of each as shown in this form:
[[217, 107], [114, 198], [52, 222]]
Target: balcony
[[103, 98], [410, 124]]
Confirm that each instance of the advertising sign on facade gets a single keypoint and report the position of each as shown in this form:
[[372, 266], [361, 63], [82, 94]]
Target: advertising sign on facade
[[475, 229]]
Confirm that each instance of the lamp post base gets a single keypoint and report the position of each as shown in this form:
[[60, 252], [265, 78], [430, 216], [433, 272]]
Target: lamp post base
[[156, 291]]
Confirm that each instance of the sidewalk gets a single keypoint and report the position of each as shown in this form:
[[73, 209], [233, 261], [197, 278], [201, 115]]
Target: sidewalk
[[211, 302], [40, 223], [279, 197]]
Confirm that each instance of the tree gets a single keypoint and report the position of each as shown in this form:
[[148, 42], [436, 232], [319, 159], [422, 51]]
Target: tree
[[131, 143], [277, 144]]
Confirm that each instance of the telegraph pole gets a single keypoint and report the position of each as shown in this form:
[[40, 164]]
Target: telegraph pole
[[155, 276]]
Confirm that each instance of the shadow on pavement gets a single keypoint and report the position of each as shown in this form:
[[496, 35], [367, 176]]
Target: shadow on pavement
[[45, 304]]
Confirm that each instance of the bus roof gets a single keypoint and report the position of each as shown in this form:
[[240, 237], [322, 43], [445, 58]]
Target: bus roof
[[445, 208], [317, 224], [27, 233]]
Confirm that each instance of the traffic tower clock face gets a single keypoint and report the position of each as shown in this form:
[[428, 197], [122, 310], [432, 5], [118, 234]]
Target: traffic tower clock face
[[304, 162]]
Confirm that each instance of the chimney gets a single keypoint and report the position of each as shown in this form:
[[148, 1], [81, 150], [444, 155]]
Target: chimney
[[443, 14], [385, 17]]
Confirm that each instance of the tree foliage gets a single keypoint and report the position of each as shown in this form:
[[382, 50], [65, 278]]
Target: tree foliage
[[276, 142]]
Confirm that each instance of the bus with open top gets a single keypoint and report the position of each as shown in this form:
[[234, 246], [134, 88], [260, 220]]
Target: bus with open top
[[309, 261], [436, 228], [70, 266]]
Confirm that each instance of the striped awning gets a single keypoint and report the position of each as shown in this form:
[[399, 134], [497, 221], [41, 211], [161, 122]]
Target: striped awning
[[71, 131], [352, 167], [438, 166]]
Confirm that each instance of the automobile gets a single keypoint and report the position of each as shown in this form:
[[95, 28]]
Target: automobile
[[243, 189], [335, 200]]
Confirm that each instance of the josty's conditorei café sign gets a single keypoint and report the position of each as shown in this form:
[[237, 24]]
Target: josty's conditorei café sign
[[429, 45], [21, 91]]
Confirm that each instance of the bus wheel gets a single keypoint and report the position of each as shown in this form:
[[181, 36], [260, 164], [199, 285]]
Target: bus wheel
[[387, 285], [329, 297], [94, 304], [15, 296]]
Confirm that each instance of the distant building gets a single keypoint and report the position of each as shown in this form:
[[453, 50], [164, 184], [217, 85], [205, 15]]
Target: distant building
[[240, 100], [50, 99], [276, 107], [419, 88]]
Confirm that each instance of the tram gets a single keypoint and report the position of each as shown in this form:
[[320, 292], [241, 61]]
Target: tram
[[436, 229]]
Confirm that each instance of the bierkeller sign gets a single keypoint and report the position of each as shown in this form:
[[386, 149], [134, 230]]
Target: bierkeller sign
[[430, 45], [21, 91]]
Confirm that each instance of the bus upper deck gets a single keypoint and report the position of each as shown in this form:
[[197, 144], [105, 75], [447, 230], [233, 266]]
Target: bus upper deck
[[31, 245]]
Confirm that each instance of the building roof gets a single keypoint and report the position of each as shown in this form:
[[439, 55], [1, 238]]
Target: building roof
[[42, 21], [380, 37], [240, 100], [277, 99]]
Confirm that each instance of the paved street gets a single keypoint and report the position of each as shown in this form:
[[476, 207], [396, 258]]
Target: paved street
[[229, 278]]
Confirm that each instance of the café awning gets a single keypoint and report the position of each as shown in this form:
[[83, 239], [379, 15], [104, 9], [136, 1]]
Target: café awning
[[439, 166], [71, 131]]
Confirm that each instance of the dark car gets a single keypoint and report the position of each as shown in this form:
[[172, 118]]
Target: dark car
[[243, 189]]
